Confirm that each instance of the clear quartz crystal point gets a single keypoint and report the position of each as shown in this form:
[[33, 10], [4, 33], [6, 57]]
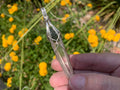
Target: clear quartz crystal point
[[54, 36]]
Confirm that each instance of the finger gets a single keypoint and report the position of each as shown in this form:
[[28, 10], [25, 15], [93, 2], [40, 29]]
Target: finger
[[80, 71], [92, 81], [106, 62], [55, 65], [61, 88], [58, 79]]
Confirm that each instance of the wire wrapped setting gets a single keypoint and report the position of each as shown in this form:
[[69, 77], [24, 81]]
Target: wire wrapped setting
[[54, 36]]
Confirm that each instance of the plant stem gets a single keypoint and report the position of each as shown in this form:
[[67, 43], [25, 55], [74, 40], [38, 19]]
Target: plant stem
[[115, 19], [93, 50], [22, 52], [21, 65], [101, 46]]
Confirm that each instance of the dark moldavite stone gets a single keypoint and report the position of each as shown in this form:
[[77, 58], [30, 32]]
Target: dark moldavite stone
[[54, 35]]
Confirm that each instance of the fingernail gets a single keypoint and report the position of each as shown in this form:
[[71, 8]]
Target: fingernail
[[77, 82]]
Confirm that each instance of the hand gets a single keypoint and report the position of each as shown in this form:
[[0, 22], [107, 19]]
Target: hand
[[91, 72]]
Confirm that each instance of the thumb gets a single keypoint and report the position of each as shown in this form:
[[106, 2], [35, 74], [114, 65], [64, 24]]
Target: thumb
[[92, 81]]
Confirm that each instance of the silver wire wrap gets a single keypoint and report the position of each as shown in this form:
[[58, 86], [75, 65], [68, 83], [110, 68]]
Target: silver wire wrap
[[54, 36]]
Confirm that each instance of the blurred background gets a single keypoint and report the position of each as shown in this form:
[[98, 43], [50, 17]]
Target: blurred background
[[86, 26]]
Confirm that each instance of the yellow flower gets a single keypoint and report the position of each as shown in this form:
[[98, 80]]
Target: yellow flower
[[95, 44], [37, 40], [12, 54], [97, 18], [3, 36], [64, 2], [15, 4], [46, 1], [109, 36], [12, 29], [10, 11], [116, 38], [38, 9], [89, 5], [76, 53], [0, 61], [92, 31], [15, 58], [111, 31], [28, 0], [102, 31], [22, 32], [11, 19], [118, 34], [13, 9], [70, 3], [43, 72], [7, 66], [66, 15], [4, 43], [16, 47], [9, 85], [15, 41], [14, 26], [64, 19], [67, 36], [10, 39], [2, 15], [71, 35], [43, 65], [54, 57], [0, 74], [9, 82], [43, 69], [93, 40]]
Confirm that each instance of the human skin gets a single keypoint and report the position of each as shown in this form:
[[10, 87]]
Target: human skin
[[91, 72]]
